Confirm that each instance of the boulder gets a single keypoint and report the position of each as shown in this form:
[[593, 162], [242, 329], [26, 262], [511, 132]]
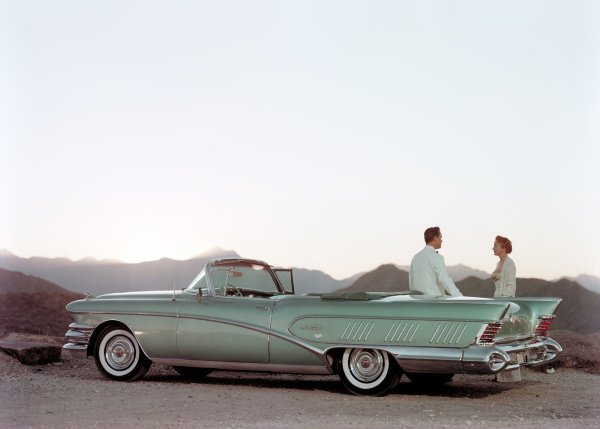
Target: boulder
[[31, 350]]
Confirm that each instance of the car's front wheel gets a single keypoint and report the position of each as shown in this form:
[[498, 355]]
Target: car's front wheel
[[119, 356], [367, 371]]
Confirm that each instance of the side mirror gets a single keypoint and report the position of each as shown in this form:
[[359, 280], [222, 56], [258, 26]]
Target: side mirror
[[199, 294]]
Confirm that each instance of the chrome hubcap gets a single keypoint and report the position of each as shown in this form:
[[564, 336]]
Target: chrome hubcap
[[366, 365], [120, 353]]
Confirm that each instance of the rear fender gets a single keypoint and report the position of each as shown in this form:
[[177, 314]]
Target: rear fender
[[523, 320]]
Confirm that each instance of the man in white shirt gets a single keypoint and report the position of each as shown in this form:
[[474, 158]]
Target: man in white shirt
[[428, 271]]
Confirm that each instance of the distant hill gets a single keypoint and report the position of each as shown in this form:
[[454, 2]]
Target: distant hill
[[391, 278], [314, 281], [32, 305], [587, 281], [578, 312], [99, 277], [107, 276], [385, 278]]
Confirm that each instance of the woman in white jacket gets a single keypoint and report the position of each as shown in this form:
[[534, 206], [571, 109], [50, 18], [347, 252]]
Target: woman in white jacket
[[505, 274]]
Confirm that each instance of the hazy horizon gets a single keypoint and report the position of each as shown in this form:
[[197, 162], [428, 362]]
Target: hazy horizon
[[220, 249], [326, 135]]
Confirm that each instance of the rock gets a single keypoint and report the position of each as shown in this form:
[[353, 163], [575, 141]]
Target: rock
[[40, 351]]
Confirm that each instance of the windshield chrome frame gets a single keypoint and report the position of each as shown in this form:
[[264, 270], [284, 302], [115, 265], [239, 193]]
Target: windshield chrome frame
[[214, 263]]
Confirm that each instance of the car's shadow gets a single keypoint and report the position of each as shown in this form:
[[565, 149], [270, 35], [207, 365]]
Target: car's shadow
[[455, 389], [249, 379], [460, 388]]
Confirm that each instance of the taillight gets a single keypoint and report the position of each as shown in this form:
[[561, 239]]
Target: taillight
[[543, 326], [488, 333]]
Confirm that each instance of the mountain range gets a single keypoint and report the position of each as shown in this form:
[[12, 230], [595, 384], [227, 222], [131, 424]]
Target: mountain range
[[106, 276], [97, 277]]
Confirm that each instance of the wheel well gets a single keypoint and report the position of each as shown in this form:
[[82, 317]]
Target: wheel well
[[94, 337], [333, 357]]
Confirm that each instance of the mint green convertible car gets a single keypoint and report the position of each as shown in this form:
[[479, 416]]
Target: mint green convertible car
[[242, 314]]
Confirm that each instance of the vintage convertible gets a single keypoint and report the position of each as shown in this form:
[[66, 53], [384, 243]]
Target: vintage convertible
[[242, 314]]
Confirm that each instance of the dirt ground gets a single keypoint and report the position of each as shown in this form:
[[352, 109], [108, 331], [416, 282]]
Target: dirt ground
[[73, 394]]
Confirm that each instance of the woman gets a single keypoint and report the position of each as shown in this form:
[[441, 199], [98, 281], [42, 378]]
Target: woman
[[505, 274]]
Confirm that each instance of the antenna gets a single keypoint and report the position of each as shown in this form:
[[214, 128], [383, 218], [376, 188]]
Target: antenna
[[173, 297]]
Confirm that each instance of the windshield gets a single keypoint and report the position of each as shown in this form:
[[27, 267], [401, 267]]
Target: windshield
[[242, 276]]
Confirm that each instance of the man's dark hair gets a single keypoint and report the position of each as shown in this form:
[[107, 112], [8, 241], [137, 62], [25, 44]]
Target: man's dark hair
[[431, 233]]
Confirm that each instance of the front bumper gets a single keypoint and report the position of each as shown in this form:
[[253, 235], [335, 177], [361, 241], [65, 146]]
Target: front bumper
[[476, 359], [78, 336]]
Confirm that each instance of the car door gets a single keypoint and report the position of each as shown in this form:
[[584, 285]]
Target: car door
[[225, 328]]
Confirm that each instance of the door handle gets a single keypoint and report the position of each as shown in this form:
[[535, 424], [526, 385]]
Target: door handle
[[263, 308]]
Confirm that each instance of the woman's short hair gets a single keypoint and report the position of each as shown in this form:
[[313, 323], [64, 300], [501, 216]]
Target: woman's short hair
[[505, 243], [431, 233]]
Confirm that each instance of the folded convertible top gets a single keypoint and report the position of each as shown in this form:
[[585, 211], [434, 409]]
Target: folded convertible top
[[365, 296]]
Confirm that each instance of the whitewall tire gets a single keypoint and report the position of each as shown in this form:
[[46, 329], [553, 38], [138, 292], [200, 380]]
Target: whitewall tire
[[118, 355], [367, 371]]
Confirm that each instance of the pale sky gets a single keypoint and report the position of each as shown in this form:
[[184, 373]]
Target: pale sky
[[316, 134]]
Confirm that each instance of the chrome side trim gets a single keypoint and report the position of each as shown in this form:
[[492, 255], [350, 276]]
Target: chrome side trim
[[127, 313], [345, 330], [387, 319], [427, 359], [405, 335], [248, 366], [450, 329]]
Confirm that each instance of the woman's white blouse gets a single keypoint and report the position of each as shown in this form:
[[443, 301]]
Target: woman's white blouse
[[506, 286]]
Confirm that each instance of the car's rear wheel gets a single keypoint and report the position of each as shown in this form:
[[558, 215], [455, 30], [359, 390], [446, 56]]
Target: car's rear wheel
[[192, 373], [368, 371], [119, 356], [430, 379]]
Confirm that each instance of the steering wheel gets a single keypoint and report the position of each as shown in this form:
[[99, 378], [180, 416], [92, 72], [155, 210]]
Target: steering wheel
[[236, 291]]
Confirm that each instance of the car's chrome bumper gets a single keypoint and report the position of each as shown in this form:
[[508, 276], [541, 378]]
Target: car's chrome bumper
[[78, 336], [475, 359]]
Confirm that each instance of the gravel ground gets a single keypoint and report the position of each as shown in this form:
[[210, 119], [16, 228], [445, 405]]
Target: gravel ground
[[72, 394]]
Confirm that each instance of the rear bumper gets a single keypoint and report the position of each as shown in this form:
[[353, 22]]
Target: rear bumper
[[534, 353], [476, 359]]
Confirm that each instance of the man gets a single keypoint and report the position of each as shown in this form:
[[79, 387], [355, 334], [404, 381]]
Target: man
[[428, 271]]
